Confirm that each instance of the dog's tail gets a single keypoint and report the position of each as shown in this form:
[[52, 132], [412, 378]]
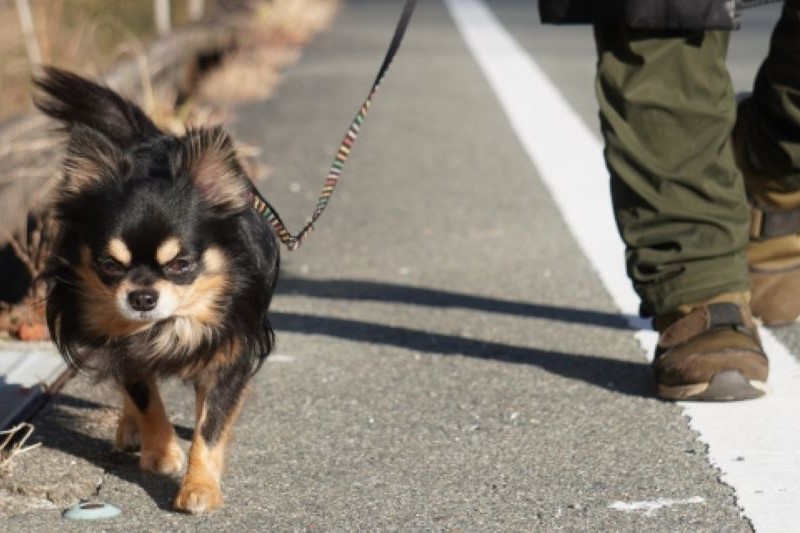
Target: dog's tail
[[72, 100]]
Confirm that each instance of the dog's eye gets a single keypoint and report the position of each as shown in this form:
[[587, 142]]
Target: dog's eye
[[110, 267], [178, 267]]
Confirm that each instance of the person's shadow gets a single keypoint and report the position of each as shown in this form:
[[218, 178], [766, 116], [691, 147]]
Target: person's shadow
[[626, 377]]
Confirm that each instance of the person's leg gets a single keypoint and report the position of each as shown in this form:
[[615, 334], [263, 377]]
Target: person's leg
[[768, 146], [667, 109]]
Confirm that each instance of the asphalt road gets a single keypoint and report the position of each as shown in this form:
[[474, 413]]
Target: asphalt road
[[447, 358]]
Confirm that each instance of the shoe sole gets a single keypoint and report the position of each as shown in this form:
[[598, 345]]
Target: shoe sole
[[725, 386], [778, 324]]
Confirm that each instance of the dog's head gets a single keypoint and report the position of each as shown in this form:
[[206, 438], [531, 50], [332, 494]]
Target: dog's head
[[142, 226]]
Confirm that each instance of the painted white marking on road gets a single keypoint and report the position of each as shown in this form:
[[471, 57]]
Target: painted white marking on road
[[756, 444], [280, 358], [649, 508]]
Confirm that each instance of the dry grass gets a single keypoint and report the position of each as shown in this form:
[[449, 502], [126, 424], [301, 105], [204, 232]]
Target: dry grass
[[84, 35], [271, 39], [13, 442], [91, 35]]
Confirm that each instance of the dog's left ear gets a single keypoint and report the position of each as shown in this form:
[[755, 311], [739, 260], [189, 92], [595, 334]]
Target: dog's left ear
[[208, 161]]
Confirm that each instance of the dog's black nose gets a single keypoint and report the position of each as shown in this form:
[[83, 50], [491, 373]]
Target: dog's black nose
[[143, 299]]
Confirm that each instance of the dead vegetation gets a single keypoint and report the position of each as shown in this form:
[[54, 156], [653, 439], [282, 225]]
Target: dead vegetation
[[271, 39], [14, 442]]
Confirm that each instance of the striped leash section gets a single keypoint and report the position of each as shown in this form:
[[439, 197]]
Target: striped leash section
[[265, 209]]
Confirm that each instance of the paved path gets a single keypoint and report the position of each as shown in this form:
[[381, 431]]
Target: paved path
[[447, 356]]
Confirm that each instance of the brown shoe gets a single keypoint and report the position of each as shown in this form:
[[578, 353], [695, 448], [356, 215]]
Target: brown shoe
[[773, 253], [775, 279], [711, 352]]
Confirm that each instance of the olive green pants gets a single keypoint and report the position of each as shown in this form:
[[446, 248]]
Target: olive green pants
[[667, 110]]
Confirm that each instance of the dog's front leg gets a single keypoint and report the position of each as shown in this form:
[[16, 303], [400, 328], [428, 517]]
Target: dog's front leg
[[143, 414], [217, 404]]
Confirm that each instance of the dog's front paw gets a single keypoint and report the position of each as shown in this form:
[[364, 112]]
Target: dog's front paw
[[166, 460], [127, 439], [198, 497]]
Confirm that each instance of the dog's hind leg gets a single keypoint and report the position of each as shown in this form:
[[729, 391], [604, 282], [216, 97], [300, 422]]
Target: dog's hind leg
[[142, 405], [217, 404]]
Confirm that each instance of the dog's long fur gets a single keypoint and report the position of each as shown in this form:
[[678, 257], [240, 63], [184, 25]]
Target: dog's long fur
[[160, 268]]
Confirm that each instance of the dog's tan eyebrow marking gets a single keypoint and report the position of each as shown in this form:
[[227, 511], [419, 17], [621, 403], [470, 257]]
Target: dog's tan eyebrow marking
[[168, 250], [119, 251], [214, 259]]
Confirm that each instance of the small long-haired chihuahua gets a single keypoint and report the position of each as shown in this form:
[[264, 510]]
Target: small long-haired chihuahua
[[160, 268]]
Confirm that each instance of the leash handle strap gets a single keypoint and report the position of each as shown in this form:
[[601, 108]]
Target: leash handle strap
[[265, 209]]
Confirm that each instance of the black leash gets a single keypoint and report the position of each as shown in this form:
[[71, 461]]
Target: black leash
[[265, 209]]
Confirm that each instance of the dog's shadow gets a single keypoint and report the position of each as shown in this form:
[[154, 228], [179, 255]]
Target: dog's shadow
[[61, 426]]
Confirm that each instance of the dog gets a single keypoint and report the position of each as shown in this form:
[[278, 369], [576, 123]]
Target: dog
[[160, 267]]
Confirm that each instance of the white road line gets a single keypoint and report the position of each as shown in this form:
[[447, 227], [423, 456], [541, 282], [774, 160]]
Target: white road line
[[649, 508], [756, 445]]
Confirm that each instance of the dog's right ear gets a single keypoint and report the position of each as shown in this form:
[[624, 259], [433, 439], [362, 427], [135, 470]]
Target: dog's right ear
[[92, 161], [74, 100]]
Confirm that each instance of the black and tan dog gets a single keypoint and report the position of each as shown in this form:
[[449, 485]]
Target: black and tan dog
[[161, 268]]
